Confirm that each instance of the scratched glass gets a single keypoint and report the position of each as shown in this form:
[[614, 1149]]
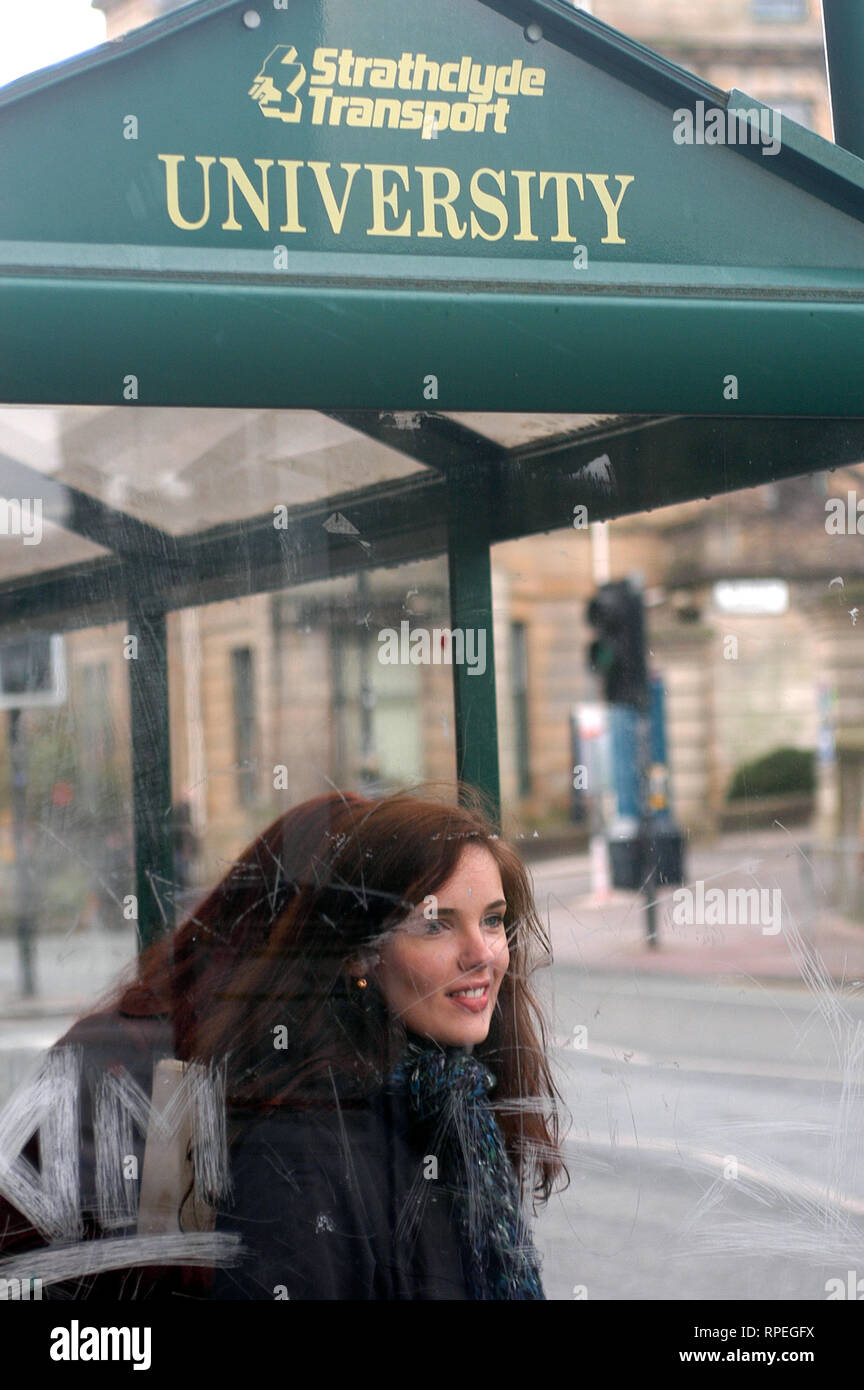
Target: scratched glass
[[705, 1034]]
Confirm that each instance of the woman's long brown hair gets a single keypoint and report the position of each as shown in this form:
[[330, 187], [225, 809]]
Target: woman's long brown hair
[[256, 976]]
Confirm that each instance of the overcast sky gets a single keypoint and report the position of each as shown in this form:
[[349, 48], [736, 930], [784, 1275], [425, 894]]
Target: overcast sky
[[36, 33]]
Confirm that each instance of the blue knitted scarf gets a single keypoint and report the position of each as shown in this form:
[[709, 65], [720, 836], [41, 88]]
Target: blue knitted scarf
[[449, 1090]]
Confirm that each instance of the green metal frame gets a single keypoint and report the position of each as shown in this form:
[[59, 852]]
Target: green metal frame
[[151, 772], [844, 41], [791, 356], [470, 503]]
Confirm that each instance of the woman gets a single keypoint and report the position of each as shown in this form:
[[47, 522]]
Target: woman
[[361, 977]]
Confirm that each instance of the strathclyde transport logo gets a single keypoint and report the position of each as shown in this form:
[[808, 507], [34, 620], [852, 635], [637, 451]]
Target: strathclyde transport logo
[[276, 86], [413, 92]]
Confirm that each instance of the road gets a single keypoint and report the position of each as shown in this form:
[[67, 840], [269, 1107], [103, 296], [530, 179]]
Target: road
[[716, 1149], [717, 1141]]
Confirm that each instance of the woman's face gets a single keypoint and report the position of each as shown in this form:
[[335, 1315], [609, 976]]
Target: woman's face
[[440, 972]]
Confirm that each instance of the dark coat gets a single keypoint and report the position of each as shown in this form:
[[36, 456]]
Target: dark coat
[[321, 1198]]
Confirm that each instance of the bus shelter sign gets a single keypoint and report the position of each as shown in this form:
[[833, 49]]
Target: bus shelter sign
[[329, 128], [463, 148], [421, 98]]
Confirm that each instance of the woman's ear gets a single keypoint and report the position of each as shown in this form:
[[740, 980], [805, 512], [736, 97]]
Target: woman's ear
[[359, 966]]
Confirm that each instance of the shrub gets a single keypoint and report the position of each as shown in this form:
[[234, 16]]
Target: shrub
[[785, 772]]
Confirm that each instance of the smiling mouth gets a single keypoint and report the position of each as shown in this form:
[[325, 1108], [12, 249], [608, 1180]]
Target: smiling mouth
[[476, 998]]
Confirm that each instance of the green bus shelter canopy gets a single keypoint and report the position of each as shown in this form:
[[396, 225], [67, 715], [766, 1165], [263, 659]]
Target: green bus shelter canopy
[[312, 205]]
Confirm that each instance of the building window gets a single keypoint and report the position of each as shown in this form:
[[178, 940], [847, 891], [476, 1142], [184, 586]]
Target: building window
[[94, 716], [245, 725], [519, 650], [378, 716], [779, 9]]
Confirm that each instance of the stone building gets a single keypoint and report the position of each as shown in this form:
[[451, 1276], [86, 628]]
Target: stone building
[[770, 49]]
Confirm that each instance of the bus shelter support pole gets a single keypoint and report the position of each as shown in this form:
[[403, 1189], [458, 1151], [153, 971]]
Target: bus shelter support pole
[[844, 51], [474, 704], [151, 773], [24, 896]]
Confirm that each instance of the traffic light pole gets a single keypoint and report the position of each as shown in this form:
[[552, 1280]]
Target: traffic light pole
[[650, 884], [645, 846], [649, 890], [661, 836]]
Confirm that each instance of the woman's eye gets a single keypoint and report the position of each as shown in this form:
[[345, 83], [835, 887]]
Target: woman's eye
[[433, 926]]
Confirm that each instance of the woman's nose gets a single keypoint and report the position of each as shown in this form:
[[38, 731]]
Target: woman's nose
[[476, 950]]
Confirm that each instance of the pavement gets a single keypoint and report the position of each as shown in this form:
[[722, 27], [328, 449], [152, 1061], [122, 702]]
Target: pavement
[[612, 936], [608, 931]]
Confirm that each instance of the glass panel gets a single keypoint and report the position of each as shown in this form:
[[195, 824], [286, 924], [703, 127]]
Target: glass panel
[[272, 697], [712, 1152], [180, 470], [512, 431], [303, 705], [696, 865], [67, 845]]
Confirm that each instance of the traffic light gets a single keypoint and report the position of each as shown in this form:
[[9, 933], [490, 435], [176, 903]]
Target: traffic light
[[617, 654]]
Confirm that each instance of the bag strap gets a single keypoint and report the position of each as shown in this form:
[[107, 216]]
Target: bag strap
[[167, 1193]]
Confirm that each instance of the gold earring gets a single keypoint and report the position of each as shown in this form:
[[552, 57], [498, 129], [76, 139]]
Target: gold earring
[[362, 982]]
